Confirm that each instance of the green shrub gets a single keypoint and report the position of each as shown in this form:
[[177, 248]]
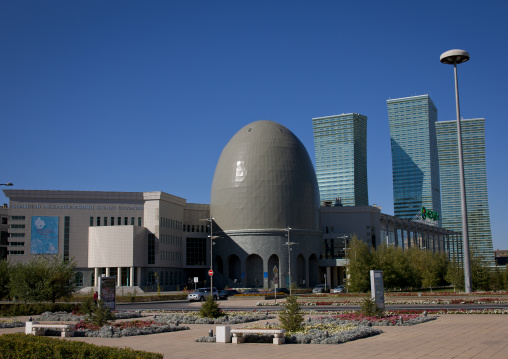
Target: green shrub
[[291, 317], [96, 313], [369, 308], [210, 309], [19, 345]]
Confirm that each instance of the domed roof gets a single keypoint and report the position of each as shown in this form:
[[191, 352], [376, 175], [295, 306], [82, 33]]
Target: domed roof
[[264, 179]]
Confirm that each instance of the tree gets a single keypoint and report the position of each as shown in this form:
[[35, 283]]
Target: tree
[[210, 309], [359, 263], [4, 278], [455, 275], [480, 273], [291, 316], [42, 279]]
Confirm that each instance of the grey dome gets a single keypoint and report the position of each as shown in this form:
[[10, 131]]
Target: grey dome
[[264, 180]]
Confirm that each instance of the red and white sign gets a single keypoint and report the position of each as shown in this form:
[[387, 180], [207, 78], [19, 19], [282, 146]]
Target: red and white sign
[[210, 272]]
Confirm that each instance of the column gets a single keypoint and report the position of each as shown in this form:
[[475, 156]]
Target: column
[[328, 277], [139, 276], [131, 274], [95, 276], [108, 272], [119, 277]]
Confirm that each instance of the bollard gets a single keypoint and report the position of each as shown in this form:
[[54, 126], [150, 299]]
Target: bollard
[[177, 323], [401, 320], [425, 314], [30, 319], [370, 324], [326, 334], [111, 330], [210, 333]]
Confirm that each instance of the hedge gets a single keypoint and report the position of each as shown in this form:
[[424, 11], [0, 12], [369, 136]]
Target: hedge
[[19, 345]]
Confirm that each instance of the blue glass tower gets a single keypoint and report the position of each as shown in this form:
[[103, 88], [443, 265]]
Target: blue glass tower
[[340, 144], [475, 175], [415, 164]]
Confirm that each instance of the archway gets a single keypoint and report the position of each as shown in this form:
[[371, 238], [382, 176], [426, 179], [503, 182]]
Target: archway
[[301, 272], [235, 270], [313, 271], [254, 268], [273, 261]]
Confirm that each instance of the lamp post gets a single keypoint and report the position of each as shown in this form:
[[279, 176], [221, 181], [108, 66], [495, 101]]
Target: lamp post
[[289, 244], [454, 57], [210, 273], [6, 184]]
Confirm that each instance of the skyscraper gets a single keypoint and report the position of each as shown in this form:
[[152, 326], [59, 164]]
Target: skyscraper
[[475, 175], [340, 144], [415, 164]]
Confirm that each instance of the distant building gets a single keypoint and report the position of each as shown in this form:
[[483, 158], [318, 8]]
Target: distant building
[[4, 231], [415, 164], [340, 144], [475, 174], [501, 257]]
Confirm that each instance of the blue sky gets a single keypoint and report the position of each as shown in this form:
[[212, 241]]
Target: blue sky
[[144, 95]]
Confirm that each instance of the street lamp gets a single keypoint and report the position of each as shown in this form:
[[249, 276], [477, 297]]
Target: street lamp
[[454, 57], [211, 249], [289, 244], [6, 184]]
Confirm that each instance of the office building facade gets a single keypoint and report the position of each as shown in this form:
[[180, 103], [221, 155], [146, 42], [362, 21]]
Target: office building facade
[[475, 175], [415, 164], [340, 144]]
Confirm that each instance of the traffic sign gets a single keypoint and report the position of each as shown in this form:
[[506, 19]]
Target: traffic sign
[[275, 280], [210, 272], [275, 270]]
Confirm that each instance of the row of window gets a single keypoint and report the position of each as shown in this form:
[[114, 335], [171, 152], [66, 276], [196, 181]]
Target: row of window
[[118, 221], [170, 223], [170, 256], [17, 226], [166, 278], [17, 218], [169, 239], [196, 228], [16, 252], [17, 244]]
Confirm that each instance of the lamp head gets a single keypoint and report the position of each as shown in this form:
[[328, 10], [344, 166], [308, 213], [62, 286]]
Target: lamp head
[[452, 57]]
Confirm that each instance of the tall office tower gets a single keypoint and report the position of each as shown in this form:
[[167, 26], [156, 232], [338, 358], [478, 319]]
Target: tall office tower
[[340, 144], [475, 176], [415, 164]]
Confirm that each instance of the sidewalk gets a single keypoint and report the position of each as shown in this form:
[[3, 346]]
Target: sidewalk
[[450, 336]]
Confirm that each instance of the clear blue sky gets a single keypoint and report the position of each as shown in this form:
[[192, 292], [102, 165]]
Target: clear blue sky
[[143, 95]]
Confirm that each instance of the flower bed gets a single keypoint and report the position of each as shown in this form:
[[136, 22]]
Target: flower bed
[[11, 323], [436, 301], [125, 329], [71, 317], [229, 318]]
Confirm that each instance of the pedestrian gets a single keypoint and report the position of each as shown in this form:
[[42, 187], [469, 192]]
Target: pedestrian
[[95, 297]]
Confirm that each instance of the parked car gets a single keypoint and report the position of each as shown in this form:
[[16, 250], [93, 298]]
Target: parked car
[[250, 291], [224, 294], [200, 294], [321, 288], [339, 289], [280, 291]]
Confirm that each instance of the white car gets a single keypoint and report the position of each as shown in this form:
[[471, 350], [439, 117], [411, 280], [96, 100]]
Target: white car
[[339, 289], [321, 288], [200, 294]]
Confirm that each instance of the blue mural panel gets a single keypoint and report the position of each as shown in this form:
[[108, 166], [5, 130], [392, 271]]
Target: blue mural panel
[[44, 238]]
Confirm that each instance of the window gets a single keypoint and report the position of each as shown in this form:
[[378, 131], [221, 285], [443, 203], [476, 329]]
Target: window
[[151, 278], [132, 221], [126, 221], [92, 279], [17, 235], [151, 248], [91, 221], [78, 279], [112, 221], [4, 220], [67, 230], [16, 218], [119, 221], [16, 252], [105, 221], [196, 251], [17, 226], [98, 221], [17, 244], [139, 221]]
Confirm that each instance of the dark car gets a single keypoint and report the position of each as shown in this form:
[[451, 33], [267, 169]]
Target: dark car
[[224, 294], [250, 291]]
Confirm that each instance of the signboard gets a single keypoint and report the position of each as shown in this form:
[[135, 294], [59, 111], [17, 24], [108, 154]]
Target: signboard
[[377, 288], [196, 279], [107, 291], [210, 272], [44, 235], [265, 274], [275, 280], [427, 213]]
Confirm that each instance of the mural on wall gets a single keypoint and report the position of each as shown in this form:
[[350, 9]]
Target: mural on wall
[[44, 237]]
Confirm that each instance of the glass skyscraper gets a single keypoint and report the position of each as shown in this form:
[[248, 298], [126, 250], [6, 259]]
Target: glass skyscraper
[[415, 164], [475, 176], [340, 144]]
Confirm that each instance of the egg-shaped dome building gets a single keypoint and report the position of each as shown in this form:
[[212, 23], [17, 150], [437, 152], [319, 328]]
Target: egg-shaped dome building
[[265, 189]]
